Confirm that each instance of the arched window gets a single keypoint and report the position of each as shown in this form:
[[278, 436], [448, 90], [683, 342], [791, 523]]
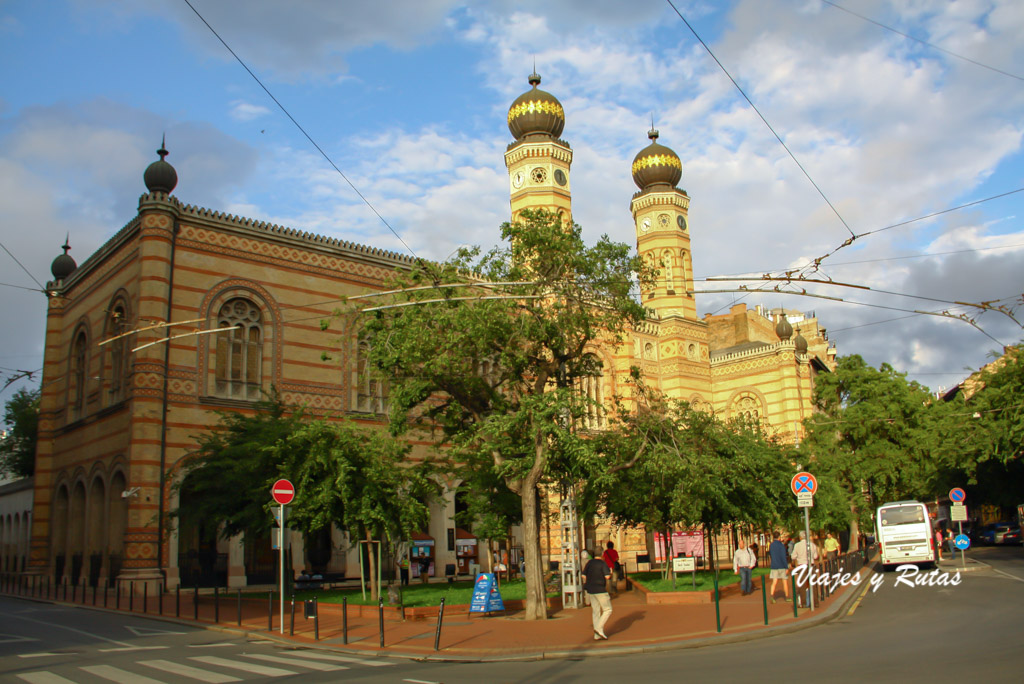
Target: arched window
[[79, 374], [666, 260], [239, 362], [682, 269], [117, 370], [747, 406], [591, 390], [369, 389]]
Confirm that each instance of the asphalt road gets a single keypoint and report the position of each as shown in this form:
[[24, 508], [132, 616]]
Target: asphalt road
[[904, 632]]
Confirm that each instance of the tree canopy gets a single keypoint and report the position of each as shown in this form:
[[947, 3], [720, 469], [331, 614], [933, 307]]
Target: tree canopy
[[514, 330], [18, 448]]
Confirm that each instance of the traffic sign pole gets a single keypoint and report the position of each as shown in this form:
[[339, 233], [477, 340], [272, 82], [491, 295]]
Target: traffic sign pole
[[281, 551], [282, 492]]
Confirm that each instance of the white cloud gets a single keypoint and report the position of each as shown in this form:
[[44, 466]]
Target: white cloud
[[246, 111]]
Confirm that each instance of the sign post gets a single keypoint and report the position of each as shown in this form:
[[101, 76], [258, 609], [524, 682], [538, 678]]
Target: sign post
[[804, 485], [282, 492], [958, 512]]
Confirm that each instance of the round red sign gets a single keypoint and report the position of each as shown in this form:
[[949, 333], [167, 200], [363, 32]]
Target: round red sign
[[804, 483], [283, 492]]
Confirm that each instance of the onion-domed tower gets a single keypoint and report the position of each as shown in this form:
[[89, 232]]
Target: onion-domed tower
[[160, 176], [538, 160], [660, 214]]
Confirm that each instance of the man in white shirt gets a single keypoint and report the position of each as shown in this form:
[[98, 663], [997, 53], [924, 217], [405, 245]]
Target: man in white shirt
[[743, 564], [800, 555]]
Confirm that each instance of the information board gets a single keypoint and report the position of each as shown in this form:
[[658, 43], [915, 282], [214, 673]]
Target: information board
[[486, 597], [683, 564], [958, 513]]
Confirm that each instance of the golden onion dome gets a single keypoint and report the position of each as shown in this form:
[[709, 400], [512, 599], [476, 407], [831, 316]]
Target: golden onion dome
[[656, 165], [536, 111]]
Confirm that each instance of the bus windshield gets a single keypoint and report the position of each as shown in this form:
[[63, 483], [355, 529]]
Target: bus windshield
[[902, 515]]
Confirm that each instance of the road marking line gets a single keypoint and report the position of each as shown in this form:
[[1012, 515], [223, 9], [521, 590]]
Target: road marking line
[[340, 659], [420, 681], [245, 667], [117, 675], [1006, 574], [43, 654], [91, 635], [218, 644], [188, 671], [859, 599], [132, 648], [149, 631], [44, 678], [312, 665], [14, 638]]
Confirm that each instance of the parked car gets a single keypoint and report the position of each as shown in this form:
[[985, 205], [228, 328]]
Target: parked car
[[993, 532], [1011, 536]]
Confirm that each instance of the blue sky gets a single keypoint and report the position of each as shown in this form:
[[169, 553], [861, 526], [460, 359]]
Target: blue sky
[[410, 100]]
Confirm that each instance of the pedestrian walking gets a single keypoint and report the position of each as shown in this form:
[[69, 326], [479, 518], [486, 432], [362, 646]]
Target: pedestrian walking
[[596, 574], [743, 564], [611, 559], [779, 563], [938, 542], [805, 553], [951, 543], [831, 547]]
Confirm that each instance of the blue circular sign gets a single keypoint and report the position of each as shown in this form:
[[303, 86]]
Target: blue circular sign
[[956, 494], [962, 542]]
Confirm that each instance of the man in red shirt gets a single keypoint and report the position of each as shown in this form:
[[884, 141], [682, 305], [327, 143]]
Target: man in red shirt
[[611, 558]]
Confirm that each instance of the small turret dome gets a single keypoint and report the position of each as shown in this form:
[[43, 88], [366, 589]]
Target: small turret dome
[[160, 176], [783, 329], [656, 165], [536, 111], [800, 343], [63, 265]]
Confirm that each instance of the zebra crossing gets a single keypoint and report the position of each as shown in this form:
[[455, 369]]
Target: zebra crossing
[[213, 669]]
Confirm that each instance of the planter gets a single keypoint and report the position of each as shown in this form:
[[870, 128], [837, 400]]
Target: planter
[[681, 597]]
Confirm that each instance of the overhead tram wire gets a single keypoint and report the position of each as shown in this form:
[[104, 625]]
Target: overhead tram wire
[[303, 131], [923, 42], [792, 156], [815, 263], [41, 288]]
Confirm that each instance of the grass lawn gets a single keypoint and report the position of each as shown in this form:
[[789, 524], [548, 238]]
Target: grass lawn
[[416, 594], [653, 581]]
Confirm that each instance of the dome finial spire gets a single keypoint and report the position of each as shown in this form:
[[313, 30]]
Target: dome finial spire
[[163, 147], [160, 176], [67, 243]]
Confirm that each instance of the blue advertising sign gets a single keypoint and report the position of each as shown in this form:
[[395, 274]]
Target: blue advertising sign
[[486, 597], [962, 542]]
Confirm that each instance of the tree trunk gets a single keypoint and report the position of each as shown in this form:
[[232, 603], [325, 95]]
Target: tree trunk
[[374, 589], [536, 596], [854, 530]]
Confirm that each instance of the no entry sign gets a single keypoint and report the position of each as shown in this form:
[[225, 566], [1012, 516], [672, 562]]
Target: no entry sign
[[283, 492], [804, 483]]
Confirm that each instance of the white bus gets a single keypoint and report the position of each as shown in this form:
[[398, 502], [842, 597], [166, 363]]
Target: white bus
[[905, 534]]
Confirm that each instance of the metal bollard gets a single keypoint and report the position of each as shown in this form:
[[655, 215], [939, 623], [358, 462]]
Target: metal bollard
[[344, 619], [65, 583], [117, 593], [47, 587], [796, 598], [380, 619], [764, 597], [160, 600], [195, 604], [145, 597], [718, 612], [316, 620], [270, 612], [216, 604], [177, 601], [105, 588], [74, 592], [131, 597], [94, 590], [291, 627], [440, 619], [239, 606]]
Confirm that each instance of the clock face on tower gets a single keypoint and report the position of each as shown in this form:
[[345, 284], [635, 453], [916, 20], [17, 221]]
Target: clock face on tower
[[560, 177], [645, 225], [518, 179], [681, 222]]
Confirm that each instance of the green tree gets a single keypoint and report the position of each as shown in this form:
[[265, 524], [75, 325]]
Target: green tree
[[488, 351], [18, 447], [229, 474], [687, 468], [358, 479], [874, 435]]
